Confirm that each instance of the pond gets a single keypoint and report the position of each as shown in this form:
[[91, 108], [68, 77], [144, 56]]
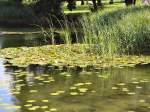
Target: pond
[[17, 37], [39, 89], [31, 37]]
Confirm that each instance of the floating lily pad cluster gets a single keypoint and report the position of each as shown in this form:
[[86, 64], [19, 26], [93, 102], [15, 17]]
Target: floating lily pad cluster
[[77, 55]]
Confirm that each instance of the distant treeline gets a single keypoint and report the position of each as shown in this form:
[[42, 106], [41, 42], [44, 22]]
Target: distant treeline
[[44, 7]]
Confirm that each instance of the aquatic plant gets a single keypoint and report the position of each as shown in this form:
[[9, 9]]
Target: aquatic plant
[[69, 56], [121, 31]]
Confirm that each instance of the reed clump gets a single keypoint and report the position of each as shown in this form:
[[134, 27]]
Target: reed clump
[[121, 31]]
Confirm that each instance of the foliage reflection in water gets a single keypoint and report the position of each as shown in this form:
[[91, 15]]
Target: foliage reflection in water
[[111, 90]]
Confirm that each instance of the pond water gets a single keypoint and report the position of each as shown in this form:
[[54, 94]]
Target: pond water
[[39, 89], [17, 37]]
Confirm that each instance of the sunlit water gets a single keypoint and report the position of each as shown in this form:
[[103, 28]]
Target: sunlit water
[[41, 90], [6, 99]]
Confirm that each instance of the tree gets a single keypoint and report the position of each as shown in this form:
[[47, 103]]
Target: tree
[[48, 7], [94, 5], [130, 2], [99, 2], [111, 1], [71, 4], [82, 2]]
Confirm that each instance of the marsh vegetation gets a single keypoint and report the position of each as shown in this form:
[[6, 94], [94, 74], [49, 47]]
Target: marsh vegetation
[[74, 56]]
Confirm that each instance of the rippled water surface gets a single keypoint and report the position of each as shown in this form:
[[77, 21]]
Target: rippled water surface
[[40, 90]]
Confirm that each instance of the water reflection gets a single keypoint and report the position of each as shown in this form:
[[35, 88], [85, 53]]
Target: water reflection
[[22, 40], [17, 37], [6, 99], [111, 90]]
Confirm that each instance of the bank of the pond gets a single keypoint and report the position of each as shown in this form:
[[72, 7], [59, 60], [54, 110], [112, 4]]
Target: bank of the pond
[[70, 56], [119, 30]]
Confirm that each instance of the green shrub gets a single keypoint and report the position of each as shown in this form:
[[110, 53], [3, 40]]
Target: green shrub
[[120, 31]]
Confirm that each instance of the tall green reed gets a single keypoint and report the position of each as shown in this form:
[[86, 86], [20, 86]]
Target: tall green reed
[[111, 32], [122, 31]]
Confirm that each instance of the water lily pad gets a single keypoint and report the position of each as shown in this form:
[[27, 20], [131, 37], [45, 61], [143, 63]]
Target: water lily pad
[[114, 88], [28, 105], [32, 108], [121, 84], [142, 101], [131, 93], [125, 89], [102, 76], [144, 81], [73, 87], [31, 101], [74, 93], [55, 94], [44, 107], [139, 87], [68, 75], [45, 101], [93, 91], [33, 91], [135, 82], [60, 92], [83, 90], [88, 83], [47, 81], [53, 110], [79, 84]]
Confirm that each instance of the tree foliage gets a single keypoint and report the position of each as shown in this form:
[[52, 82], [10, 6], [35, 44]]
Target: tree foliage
[[18, 2], [46, 7]]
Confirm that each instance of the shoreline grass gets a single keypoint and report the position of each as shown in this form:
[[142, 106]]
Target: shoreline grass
[[119, 31]]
